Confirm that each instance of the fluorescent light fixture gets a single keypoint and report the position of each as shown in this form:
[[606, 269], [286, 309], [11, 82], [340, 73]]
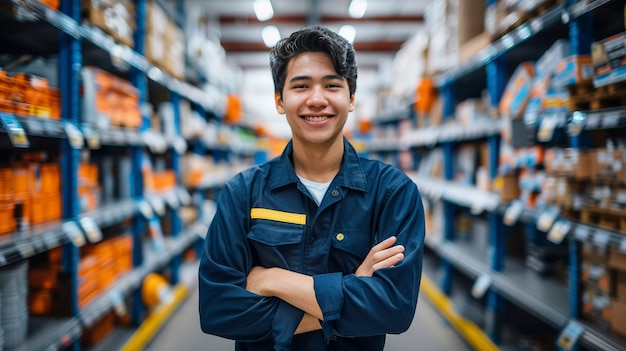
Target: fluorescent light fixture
[[348, 31], [263, 10], [357, 8], [271, 36]]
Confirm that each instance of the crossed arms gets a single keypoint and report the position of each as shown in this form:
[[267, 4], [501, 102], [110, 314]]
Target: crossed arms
[[297, 289]]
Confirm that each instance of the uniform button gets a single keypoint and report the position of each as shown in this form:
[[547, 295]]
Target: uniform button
[[334, 193], [340, 236]]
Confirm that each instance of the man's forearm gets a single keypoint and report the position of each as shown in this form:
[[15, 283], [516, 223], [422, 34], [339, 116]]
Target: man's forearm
[[294, 288], [308, 324]]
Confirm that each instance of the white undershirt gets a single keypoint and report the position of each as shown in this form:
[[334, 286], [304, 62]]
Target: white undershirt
[[316, 189]]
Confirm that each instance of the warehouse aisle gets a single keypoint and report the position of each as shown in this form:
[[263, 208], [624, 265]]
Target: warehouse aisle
[[182, 332]]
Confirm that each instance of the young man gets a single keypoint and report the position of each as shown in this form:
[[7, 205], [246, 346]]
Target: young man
[[318, 249]]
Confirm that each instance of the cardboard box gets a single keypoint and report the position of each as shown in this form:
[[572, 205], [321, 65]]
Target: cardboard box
[[472, 46], [596, 274], [609, 54], [618, 316], [573, 70], [617, 259], [596, 304], [619, 284], [518, 91], [117, 18]]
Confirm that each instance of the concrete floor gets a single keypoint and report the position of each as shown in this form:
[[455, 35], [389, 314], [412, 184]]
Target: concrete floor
[[429, 332]]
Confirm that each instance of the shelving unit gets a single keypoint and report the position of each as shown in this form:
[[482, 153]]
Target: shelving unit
[[509, 279], [77, 43]]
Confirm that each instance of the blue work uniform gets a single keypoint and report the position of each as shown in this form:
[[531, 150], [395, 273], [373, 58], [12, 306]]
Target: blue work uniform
[[266, 217]]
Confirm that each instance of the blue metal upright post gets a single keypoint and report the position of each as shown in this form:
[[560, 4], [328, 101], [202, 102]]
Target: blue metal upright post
[[70, 61], [496, 82], [140, 81], [449, 214], [199, 149], [580, 39], [176, 222]]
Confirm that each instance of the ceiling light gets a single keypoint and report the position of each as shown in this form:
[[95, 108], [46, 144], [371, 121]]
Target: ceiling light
[[348, 31], [357, 8], [271, 36], [263, 10]]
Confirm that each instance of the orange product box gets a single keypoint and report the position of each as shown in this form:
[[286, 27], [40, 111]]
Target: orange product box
[[37, 209], [50, 178], [53, 206], [96, 333], [41, 302], [24, 180], [7, 219], [517, 91], [6, 184], [87, 265], [53, 4], [43, 278]]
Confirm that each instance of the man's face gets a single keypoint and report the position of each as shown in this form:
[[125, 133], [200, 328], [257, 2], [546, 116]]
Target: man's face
[[316, 100]]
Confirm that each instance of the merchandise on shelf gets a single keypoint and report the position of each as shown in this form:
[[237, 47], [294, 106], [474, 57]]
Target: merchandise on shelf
[[609, 59], [116, 18], [518, 91], [165, 42], [28, 96], [109, 100]]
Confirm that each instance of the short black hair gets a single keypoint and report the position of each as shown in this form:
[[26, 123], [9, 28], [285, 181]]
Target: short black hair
[[314, 39]]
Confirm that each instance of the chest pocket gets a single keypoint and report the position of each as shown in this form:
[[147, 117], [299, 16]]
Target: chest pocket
[[349, 249], [276, 244]]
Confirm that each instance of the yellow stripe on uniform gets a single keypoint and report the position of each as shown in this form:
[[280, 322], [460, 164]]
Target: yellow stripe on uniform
[[278, 216], [468, 330]]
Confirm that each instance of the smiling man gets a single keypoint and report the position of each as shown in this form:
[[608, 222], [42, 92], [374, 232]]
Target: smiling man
[[318, 249]]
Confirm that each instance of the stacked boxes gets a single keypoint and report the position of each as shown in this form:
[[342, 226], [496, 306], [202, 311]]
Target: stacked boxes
[[609, 59], [109, 100], [115, 17], [28, 96], [164, 44]]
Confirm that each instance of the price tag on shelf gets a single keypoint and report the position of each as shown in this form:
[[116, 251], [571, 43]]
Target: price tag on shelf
[[183, 196], [172, 199], [559, 230], [547, 127], [610, 120], [25, 249], [93, 232], [145, 209], [513, 212], [73, 232], [157, 205], [156, 233], [481, 285], [180, 145], [92, 137], [117, 300], [51, 240], [581, 232], [546, 219], [601, 238], [12, 126], [74, 135], [568, 339]]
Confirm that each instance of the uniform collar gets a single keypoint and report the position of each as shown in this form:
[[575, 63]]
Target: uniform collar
[[351, 174]]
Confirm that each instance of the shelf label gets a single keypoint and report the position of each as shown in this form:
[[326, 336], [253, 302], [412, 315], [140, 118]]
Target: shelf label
[[17, 135], [569, 336], [117, 300], [581, 233], [610, 120], [180, 145], [513, 213], [601, 238], [559, 230], [92, 137], [74, 135], [157, 205], [546, 219], [25, 249], [172, 199], [73, 232], [92, 231], [156, 233], [547, 127], [481, 285], [145, 209], [50, 239], [183, 196]]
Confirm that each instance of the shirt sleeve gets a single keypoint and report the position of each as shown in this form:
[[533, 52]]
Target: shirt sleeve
[[384, 303], [226, 308]]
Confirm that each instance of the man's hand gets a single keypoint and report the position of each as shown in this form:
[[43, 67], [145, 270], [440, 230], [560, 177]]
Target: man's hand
[[382, 255]]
